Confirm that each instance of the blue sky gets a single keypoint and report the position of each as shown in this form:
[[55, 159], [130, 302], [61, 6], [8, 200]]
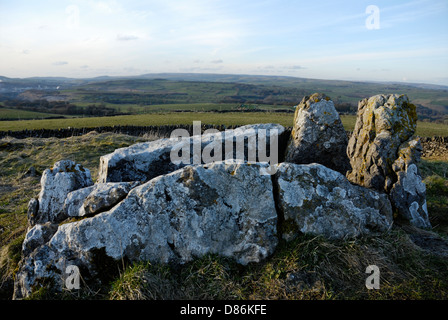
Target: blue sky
[[311, 39]]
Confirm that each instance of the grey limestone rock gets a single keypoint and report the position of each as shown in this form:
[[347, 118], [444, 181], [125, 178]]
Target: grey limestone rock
[[220, 208], [317, 200], [65, 177], [97, 198], [384, 154], [147, 160], [38, 236], [318, 135], [408, 194]]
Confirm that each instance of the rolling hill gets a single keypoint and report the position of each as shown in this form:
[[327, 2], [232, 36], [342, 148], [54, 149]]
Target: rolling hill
[[192, 88]]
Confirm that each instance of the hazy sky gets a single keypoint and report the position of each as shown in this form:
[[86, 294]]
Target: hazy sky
[[391, 41]]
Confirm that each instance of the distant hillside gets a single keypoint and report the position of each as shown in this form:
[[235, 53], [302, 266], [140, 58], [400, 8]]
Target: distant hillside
[[193, 88]]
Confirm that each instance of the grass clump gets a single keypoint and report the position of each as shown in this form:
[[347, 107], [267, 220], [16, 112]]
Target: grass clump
[[307, 268], [209, 277], [435, 177]]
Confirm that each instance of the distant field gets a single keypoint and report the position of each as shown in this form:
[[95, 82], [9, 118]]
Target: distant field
[[133, 108], [15, 114], [427, 129], [231, 118]]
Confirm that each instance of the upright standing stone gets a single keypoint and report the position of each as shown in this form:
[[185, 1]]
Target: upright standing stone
[[383, 154], [318, 135]]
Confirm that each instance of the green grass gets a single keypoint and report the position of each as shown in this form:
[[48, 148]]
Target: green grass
[[157, 108], [16, 114], [426, 129], [435, 176], [235, 118], [308, 268], [429, 129]]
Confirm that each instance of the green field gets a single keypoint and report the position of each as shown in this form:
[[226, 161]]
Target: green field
[[286, 91], [426, 129], [16, 114], [205, 92], [133, 108]]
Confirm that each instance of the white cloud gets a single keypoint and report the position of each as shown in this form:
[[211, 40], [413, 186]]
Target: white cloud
[[59, 63], [106, 7], [125, 37], [294, 67]]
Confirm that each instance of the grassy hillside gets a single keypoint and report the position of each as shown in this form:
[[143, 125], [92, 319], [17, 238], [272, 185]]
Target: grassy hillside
[[140, 93], [283, 91]]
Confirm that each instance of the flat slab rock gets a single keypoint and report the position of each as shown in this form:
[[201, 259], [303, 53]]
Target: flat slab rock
[[317, 200], [147, 160]]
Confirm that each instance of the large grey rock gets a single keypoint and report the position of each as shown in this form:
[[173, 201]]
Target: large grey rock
[[317, 200], [220, 208], [318, 135], [144, 161], [384, 154], [97, 198], [383, 123], [65, 177]]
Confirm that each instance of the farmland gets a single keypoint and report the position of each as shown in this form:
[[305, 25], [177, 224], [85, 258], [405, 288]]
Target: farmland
[[426, 129], [155, 93]]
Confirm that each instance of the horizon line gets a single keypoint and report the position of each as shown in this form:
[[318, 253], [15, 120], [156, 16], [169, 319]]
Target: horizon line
[[227, 74]]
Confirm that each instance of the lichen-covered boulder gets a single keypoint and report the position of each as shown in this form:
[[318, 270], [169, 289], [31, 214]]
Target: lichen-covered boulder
[[317, 200], [65, 177], [220, 208], [384, 154], [383, 123], [318, 135]]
